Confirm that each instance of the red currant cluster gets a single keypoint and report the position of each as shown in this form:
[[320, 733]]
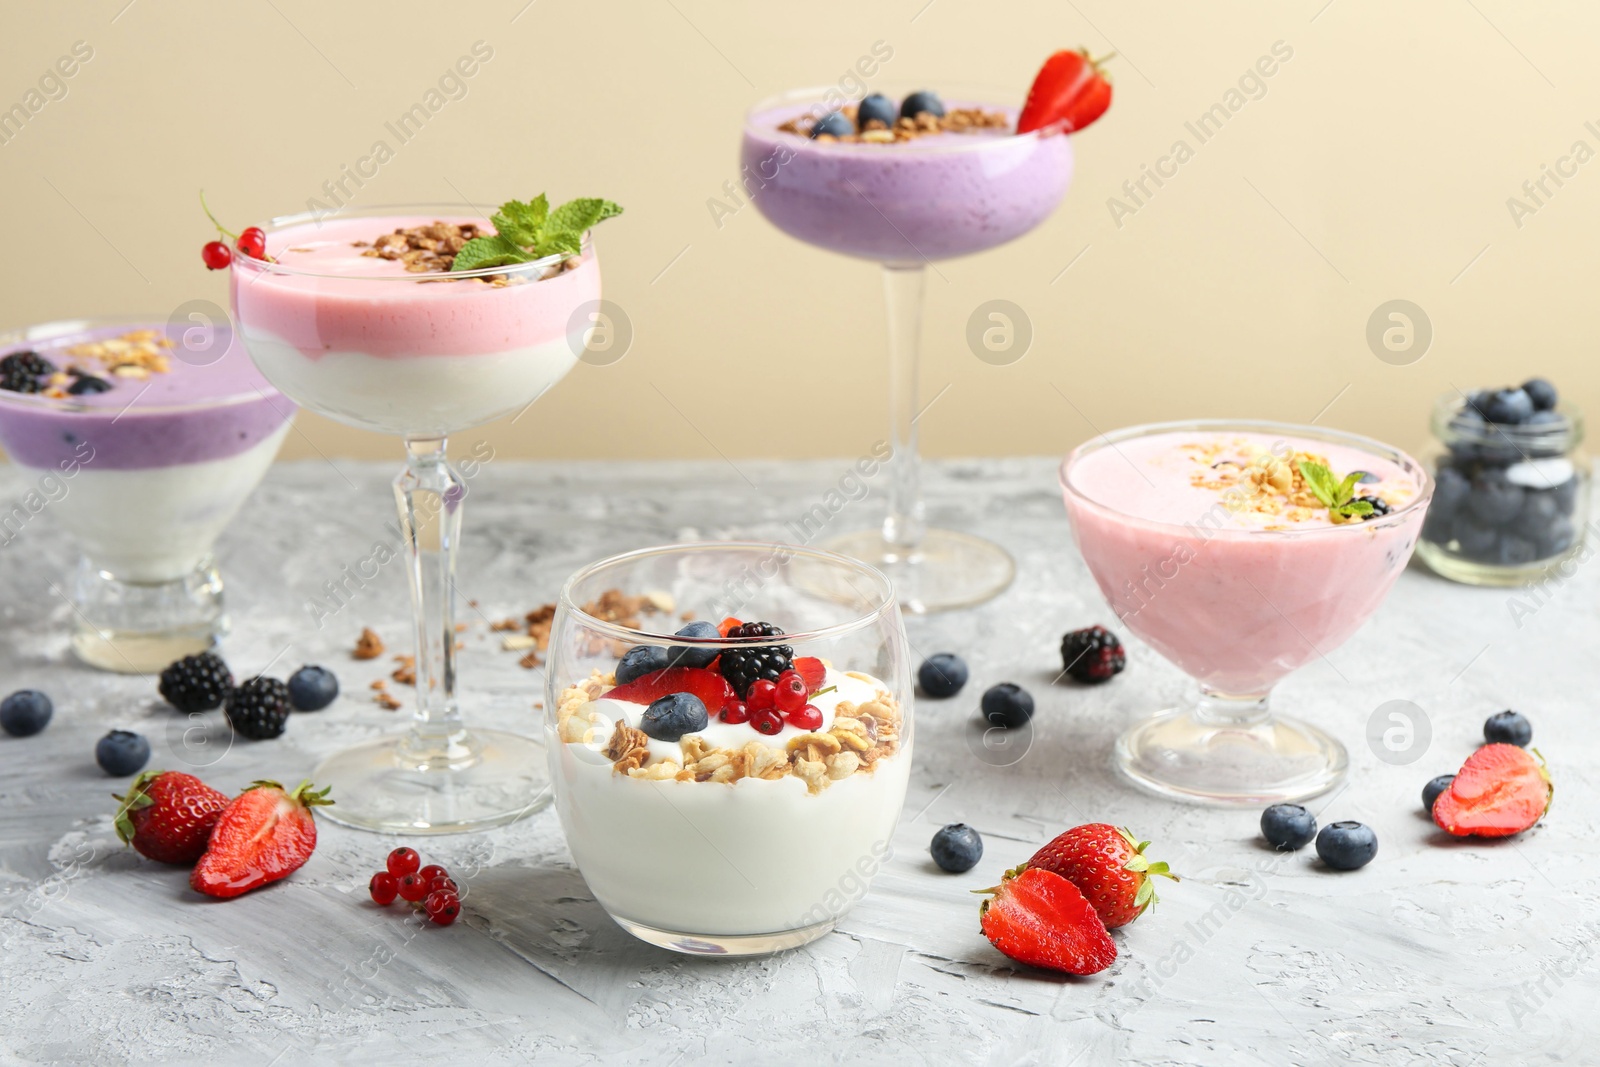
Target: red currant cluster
[[430, 886], [217, 255], [768, 705]]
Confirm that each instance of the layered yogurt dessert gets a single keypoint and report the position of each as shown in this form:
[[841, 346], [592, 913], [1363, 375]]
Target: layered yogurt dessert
[[1242, 555]]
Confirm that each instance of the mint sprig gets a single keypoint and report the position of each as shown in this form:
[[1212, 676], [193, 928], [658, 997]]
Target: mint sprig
[[526, 230], [1338, 496]]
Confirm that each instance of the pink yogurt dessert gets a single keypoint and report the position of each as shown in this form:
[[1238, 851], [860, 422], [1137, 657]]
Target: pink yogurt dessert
[[933, 196], [1209, 544], [369, 342]]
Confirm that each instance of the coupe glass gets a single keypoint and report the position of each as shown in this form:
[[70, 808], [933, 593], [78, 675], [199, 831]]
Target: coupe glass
[[903, 206], [1238, 609], [386, 353], [742, 850]]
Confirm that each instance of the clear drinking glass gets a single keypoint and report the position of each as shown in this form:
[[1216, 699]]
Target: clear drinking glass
[[420, 357], [906, 206], [1237, 609], [728, 840]]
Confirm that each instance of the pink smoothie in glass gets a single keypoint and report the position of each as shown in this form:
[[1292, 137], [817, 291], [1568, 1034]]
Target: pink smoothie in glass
[[934, 197], [1209, 546]]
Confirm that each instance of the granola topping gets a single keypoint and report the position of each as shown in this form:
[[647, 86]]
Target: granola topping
[[1253, 480], [432, 249], [956, 120]]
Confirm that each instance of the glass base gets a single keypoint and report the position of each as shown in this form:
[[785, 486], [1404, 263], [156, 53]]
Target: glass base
[[1447, 564], [1182, 756], [726, 945], [401, 785], [140, 627], [947, 570]]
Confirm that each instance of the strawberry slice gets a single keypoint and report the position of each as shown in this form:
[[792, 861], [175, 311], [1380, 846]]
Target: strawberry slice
[[728, 625], [1041, 919], [712, 688], [1070, 90], [1499, 791], [264, 834], [812, 671]]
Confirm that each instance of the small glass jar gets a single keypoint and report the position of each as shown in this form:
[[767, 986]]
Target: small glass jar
[[1511, 501]]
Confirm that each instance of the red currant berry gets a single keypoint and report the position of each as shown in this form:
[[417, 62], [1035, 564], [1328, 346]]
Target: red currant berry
[[403, 861], [447, 911], [767, 722], [763, 696], [435, 901], [412, 888], [253, 242], [216, 255], [383, 887], [807, 718], [444, 881], [432, 871], [792, 692], [735, 712]]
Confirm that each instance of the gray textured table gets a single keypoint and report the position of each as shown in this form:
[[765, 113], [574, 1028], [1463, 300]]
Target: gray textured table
[[1439, 952]]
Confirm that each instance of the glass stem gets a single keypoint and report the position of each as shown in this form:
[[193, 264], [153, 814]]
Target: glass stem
[[429, 494], [904, 525], [1226, 709]]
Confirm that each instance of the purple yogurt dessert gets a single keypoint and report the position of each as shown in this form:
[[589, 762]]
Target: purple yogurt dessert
[[932, 197]]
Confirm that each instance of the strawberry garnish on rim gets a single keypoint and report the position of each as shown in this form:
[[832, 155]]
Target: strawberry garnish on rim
[[265, 833], [1041, 919], [810, 669], [1070, 92], [1107, 863], [1501, 790], [728, 625], [711, 687]]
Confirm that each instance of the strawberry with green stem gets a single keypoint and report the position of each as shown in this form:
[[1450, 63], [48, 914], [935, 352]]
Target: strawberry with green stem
[[1107, 863]]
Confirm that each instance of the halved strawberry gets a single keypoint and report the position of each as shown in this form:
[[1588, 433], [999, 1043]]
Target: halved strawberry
[[728, 625], [1041, 919], [1108, 866], [169, 815], [1070, 90], [812, 671], [712, 688], [264, 834], [1499, 791]]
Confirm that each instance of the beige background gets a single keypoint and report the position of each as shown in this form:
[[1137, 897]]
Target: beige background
[[1376, 165]]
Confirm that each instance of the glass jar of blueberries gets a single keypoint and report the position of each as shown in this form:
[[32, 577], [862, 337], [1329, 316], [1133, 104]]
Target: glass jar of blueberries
[[1511, 497]]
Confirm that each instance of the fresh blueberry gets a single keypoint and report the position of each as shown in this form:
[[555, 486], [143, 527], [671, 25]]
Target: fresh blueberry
[[875, 106], [1515, 551], [1479, 402], [835, 124], [956, 848], [1450, 489], [1509, 406], [1007, 705], [1494, 501], [1473, 541], [1566, 495], [1544, 434], [25, 712], [1559, 536], [942, 674], [920, 101], [1344, 846], [674, 715], [1288, 827], [88, 383], [1508, 728], [1366, 477], [683, 656], [1431, 791], [1542, 393], [312, 688], [121, 753], [639, 661]]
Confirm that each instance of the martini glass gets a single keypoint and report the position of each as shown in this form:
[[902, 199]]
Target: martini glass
[[904, 206], [1235, 606], [419, 356]]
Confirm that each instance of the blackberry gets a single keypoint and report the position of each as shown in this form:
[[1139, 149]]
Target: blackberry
[[20, 371], [197, 683], [1380, 508], [743, 667], [1093, 655], [259, 708]]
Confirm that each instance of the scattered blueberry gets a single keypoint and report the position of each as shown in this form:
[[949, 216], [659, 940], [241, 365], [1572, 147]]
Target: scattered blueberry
[[1508, 728], [956, 848], [1509, 406], [694, 657], [1542, 393], [674, 715], [1007, 705], [1431, 791], [942, 675], [834, 124], [25, 712], [1288, 826], [121, 753], [88, 383], [920, 101], [640, 660], [312, 688], [876, 106], [1345, 846]]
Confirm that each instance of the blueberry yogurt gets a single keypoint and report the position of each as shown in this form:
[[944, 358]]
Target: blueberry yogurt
[[1510, 503]]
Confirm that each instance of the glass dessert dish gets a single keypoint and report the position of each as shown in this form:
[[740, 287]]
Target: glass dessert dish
[[1210, 545], [737, 792], [144, 440], [904, 205], [360, 338]]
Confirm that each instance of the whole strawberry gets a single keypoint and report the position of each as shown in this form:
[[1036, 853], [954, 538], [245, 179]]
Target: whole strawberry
[[1041, 919], [264, 834], [1108, 865], [168, 815]]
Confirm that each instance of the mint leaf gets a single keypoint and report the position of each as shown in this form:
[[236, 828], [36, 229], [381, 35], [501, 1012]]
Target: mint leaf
[[496, 251], [1355, 507], [1347, 488], [579, 215], [566, 242], [530, 230], [1320, 481], [521, 221]]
